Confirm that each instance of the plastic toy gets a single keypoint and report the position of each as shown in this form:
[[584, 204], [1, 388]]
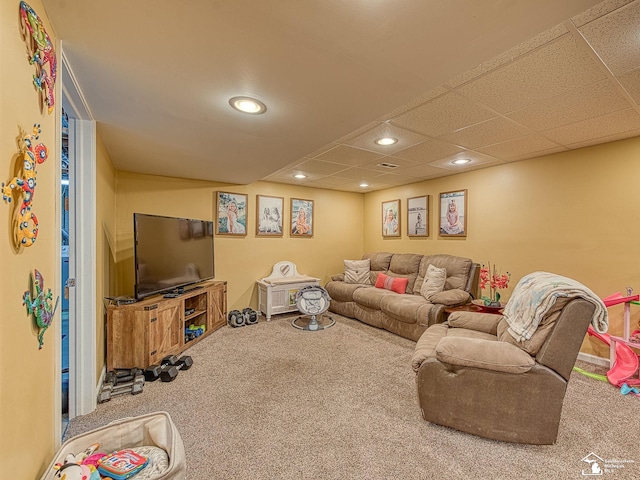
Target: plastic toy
[[40, 306], [122, 464], [41, 54], [26, 225], [622, 359], [80, 467]]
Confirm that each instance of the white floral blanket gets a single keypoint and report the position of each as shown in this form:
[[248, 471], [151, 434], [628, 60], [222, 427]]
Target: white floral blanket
[[536, 293]]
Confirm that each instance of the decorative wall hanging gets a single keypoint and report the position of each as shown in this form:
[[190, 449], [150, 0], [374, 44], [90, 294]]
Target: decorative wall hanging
[[453, 214], [39, 305], [301, 218], [231, 213], [24, 184], [269, 211], [391, 218], [418, 216], [41, 54]]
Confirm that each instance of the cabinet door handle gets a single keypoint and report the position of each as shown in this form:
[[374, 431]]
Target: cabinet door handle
[[153, 353], [154, 319]]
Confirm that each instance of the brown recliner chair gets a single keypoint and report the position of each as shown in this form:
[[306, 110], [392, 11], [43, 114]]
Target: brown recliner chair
[[474, 377]]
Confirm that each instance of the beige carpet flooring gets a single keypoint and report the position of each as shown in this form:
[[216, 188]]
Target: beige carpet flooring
[[269, 401]]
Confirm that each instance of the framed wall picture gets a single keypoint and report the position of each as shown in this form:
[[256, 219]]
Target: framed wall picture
[[301, 218], [231, 213], [391, 218], [453, 214], [418, 216], [269, 212]]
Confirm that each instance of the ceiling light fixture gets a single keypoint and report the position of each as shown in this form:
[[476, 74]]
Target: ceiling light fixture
[[248, 105], [385, 141], [364, 185], [300, 175], [461, 161]]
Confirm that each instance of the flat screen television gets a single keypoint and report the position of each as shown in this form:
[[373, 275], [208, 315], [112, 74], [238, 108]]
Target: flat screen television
[[171, 253]]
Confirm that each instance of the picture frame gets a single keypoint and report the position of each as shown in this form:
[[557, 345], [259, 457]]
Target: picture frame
[[418, 216], [301, 218], [269, 216], [231, 213], [391, 218], [453, 213]]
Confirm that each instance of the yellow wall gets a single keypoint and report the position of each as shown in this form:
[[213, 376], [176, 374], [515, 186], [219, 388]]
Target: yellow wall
[[575, 213], [105, 244], [27, 375], [243, 260]]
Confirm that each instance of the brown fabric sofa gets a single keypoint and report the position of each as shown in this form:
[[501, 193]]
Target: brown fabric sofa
[[471, 374], [407, 314]]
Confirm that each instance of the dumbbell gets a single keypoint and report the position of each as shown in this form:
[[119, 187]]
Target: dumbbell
[[109, 390]]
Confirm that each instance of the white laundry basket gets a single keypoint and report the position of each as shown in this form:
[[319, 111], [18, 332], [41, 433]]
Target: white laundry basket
[[154, 429]]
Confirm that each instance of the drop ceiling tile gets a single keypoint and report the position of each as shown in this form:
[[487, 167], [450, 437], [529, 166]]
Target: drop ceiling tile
[[631, 83], [428, 151], [577, 105], [356, 173], [609, 138], [391, 179], [442, 115], [318, 166], [492, 131], [597, 11], [521, 148], [424, 171], [554, 69], [616, 39], [367, 140], [328, 181], [288, 176], [378, 164], [475, 157], [346, 155], [594, 128]]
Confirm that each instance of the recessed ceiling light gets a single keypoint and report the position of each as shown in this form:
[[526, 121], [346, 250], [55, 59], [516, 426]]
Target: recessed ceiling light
[[248, 105], [384, 141], [364, 184], [300, 175], [461, 161]]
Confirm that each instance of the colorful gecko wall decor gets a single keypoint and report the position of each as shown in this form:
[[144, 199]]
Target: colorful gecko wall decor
[[32, 154], [39, 306], [41, 54]]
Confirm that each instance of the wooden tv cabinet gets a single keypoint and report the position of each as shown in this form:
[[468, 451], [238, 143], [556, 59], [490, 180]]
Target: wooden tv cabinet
[[143, 333]]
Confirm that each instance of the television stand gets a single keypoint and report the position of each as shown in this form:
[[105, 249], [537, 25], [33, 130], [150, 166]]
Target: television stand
[[143, 333]]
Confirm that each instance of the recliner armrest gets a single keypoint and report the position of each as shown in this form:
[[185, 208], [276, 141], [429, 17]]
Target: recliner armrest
[[484, 354], [450, 298], [480, 322], [338, 277]]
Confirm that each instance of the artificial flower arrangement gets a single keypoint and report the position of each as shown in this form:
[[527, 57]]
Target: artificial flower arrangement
[[489, 277]]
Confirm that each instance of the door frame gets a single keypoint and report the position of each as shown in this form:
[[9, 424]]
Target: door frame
[[82, 248]]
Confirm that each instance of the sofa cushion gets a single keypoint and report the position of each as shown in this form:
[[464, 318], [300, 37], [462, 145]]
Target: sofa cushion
[[458, 270], [451, 297], [485, 354], [395, 284], [380, 262], [434, 281], [405, 308], [371, 297], [357, 271], [406, 265], [343, 292]]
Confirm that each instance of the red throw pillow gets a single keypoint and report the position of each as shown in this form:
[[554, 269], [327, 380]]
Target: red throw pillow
[[395, 284]]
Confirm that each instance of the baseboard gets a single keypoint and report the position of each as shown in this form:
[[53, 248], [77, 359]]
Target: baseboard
[[587, 357]]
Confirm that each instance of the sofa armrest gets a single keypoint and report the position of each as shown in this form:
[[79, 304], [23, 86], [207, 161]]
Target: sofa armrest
[[480, 322], [338, 277], [484, 354], [451, 298]]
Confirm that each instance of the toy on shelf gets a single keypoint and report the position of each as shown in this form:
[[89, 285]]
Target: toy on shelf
[[623, 361]]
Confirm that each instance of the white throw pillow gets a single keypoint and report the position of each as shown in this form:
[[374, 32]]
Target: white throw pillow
[[357, 271], [434, 281]]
